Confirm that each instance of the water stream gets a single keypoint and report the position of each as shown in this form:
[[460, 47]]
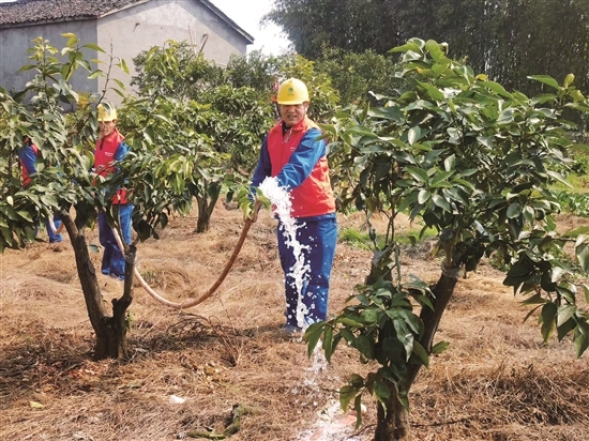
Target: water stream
[[331, 424]]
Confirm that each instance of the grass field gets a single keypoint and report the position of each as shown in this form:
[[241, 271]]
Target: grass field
[[498, 381]]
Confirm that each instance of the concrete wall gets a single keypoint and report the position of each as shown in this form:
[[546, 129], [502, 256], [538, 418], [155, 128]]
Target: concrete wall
[[143, 26], [128, 31], [14, 43]]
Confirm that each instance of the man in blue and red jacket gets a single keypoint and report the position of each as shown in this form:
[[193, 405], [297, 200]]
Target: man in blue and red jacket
[[27, 155], [111, 147], [293, 153]]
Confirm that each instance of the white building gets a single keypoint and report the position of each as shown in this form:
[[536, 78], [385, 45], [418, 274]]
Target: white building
[[125, 27]]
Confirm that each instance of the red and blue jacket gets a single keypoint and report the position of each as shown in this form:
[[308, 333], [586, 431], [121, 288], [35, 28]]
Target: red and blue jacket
[[109, 149], [298, 159], [27, 155]]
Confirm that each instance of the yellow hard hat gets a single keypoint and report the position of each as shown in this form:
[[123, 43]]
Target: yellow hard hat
[[292, 92], [106, 113]]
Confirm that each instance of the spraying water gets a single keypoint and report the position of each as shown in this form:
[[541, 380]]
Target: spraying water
[[280, 199], [328, 428]]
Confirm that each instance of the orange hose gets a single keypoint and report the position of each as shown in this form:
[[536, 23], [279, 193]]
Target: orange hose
[[195, 301]]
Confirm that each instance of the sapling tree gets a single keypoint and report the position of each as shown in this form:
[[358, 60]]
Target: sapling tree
[[475, 162], [200, 112], [64, 183]]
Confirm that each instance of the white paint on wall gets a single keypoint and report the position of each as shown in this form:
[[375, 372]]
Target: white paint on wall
[[123, 35]]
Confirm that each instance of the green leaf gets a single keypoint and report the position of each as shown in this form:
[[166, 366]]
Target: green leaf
[[347, 335], [434, 50], [441, 177], [514, 210], [364, 346], [545, 79], [346, 393], [581, 337], [423, 196], [450, 163], [433, 92], [312, 336], [349, 322], [328, 343], [565, 312], [506, 116], [382, 391], [582, 252], [413, 135], [358, 409], [123, 66], [442, 203], [536, 299], [369, 315], [25, 215], [95, 74], [487, 141], [410, 46], [548, 315], [577, 231], [565, 329], [411, 319], [558, 177], [568, 80], [93, 47], [119, 83], [421, 353], [418, 174], [361, 130], [440, 347], [119, 93]]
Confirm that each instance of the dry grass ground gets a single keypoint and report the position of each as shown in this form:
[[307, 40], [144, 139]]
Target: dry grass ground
[[496, 382]]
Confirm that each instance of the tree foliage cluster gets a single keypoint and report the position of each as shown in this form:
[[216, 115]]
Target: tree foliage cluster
[[472, 159], [506, 39], [475, 163]]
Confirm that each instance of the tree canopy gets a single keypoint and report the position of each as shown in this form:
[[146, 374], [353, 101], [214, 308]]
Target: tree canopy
[[506, 39], [475, 162]]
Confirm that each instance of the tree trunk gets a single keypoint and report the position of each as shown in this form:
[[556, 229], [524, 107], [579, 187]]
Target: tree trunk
[[203, 222], [110, 331], [205, 210], [431, 319], [393, 423], [115, 344]]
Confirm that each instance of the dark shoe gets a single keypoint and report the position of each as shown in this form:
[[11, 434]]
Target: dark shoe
[[291, 330], [113, 275]]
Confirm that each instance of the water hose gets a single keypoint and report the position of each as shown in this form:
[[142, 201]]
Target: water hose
[[52, 227], [194, 301]]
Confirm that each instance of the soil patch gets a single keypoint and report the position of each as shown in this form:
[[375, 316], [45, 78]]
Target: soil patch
[[496, 382]]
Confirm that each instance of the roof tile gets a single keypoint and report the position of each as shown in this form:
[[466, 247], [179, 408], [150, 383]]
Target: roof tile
[[27, 11]]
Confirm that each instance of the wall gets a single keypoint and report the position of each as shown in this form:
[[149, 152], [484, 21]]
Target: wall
[[149, 24], [15, 41], [129, 31]]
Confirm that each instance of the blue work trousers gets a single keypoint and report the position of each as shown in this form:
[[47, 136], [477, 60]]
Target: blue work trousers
[[53, 238], [318, 238], [113, 260]]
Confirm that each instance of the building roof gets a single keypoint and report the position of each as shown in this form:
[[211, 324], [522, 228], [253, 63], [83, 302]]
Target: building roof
[[31, 11]]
